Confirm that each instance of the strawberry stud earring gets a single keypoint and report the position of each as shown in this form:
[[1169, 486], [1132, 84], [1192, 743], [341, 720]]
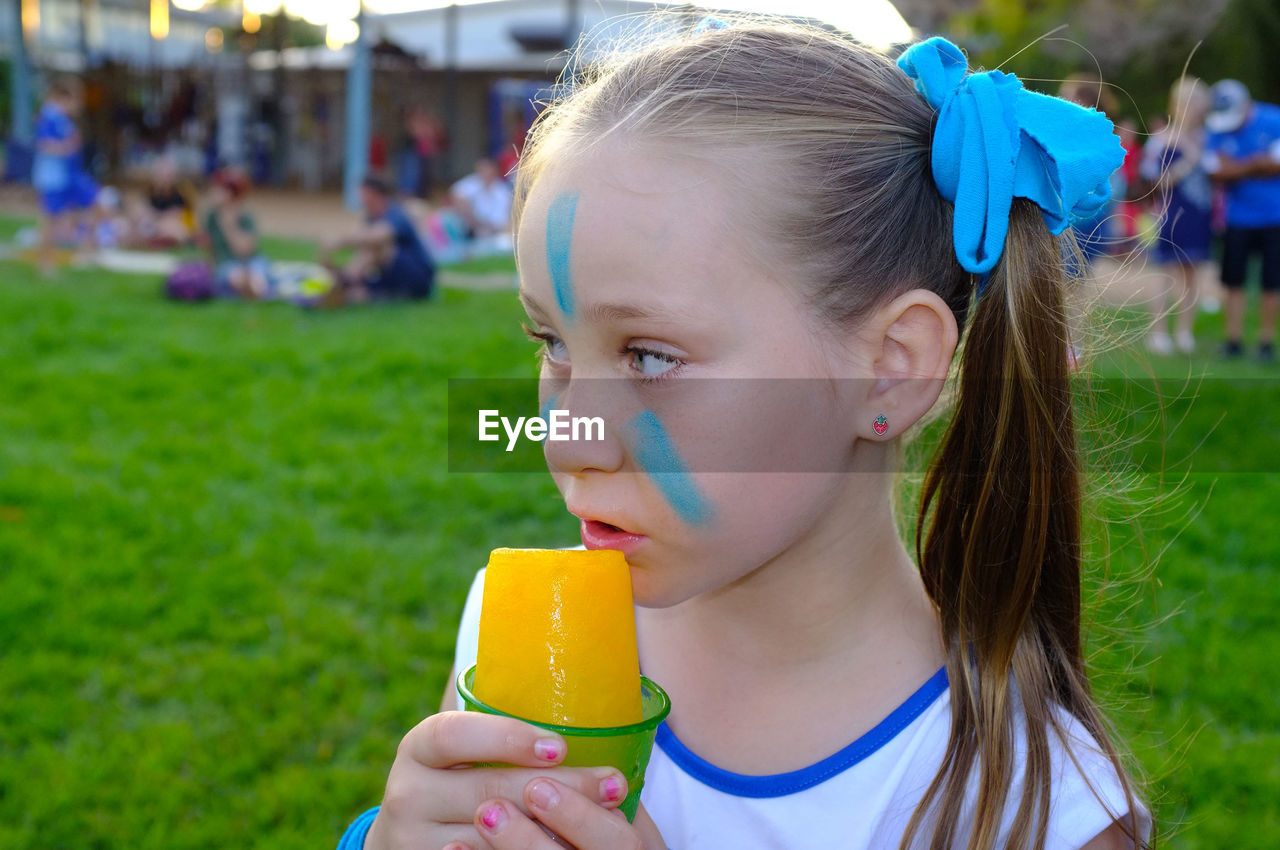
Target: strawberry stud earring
[[881, 424]]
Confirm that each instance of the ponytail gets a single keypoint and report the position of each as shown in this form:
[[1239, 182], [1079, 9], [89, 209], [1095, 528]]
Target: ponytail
[[998, 543]]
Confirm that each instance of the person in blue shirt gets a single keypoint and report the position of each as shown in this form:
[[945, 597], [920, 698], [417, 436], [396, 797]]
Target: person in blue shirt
[[389, 260], [58, 174], [1243, 154]]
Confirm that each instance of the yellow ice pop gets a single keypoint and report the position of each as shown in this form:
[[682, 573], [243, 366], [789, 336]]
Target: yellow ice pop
[[558, 638]]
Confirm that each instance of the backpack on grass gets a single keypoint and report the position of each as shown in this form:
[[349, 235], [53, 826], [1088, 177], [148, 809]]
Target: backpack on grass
[[190, 282]]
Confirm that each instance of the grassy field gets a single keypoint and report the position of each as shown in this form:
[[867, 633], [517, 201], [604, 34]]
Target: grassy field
[[232, 560]]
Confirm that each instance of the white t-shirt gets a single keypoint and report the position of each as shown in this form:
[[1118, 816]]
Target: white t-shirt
[[490, 204], [860, 798]]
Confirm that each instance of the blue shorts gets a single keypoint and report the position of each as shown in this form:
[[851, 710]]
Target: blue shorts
[[1185, 233], [403, 278], [79, 194], [255, 265]]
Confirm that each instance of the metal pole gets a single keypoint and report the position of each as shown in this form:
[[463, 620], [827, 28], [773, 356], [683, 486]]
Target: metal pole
[[279, 120], [573, 27], [20, 94], [358, 114], [572, 32], [451, 84], [84, 31]]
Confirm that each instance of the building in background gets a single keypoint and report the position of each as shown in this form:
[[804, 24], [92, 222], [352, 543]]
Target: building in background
[[448, 85]]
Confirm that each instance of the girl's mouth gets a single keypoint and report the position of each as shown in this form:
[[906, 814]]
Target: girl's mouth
[[602, 535]]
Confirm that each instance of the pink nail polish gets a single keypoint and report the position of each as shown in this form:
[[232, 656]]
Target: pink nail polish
[[611, 788], [545, 748], [493, 818]]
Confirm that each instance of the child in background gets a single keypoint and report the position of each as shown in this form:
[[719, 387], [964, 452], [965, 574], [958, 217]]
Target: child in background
[[232, 237], [66, 191], [389, 259], [110, 228], [163, 218], [1172, 161], [754, 234], [483, 198]]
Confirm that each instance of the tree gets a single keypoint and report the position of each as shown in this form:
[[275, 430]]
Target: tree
[[1139, 48]]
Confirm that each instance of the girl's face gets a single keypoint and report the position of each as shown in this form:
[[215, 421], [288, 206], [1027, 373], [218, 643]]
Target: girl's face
[[726, 440]]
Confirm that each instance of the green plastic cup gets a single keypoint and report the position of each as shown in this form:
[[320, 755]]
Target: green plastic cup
[[625, 747]]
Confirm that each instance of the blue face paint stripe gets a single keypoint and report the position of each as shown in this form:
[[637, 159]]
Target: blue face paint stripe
[[559, 239], [549, 405], [657, 456]]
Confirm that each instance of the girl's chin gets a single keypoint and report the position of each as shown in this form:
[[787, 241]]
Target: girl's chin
[[661, 588]]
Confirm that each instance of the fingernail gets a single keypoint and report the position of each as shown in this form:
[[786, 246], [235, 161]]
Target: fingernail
[[494, 818], [543, 795], [610, 789], [547, 748]]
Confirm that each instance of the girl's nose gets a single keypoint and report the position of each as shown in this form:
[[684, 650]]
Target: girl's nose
[[594, 410]]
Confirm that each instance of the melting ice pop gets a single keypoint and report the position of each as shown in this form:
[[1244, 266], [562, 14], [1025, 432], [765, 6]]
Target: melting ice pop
[[558, 638]]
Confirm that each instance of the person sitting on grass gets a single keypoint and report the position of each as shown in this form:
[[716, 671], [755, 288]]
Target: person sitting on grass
[[484, 200], [388, 261], [163, 218], [232, 238]]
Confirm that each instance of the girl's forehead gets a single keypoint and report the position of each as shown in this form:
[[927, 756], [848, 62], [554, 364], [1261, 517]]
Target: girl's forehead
[[631, 178], [639, 202], [630, 221]]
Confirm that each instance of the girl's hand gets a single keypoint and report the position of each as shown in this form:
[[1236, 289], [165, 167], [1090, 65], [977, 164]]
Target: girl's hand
[[433, 791], [561, 817]]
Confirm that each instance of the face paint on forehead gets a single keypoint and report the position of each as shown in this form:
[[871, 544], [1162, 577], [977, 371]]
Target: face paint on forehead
[[653, 450], [559, 240]]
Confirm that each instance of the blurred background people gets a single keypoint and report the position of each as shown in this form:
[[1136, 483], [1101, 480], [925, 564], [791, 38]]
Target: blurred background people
[[1244, 155], [165, 217], [58, 175], [109, 226], [1173, 166], [232, 238], [388, 258], [424, 141], [483, 199]]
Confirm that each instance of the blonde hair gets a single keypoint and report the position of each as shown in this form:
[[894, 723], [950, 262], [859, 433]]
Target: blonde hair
[[1188, 102], [842, 140]]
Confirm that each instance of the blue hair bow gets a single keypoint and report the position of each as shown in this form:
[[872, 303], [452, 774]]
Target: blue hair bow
[[995, 140]]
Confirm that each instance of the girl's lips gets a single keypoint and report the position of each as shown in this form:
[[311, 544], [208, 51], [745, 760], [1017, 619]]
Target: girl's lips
[[601, 535]]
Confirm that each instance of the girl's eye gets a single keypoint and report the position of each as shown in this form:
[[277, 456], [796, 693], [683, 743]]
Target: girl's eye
[[651, 364], [553, 347]]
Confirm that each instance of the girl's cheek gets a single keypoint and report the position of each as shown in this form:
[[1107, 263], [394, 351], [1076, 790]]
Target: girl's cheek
[[657, 454]]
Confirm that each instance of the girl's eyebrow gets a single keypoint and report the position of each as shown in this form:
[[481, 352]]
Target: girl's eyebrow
[[605, 311], [530, 306]]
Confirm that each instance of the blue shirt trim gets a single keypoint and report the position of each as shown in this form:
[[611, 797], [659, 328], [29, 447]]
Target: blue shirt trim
[[353, 838], [782, 784]]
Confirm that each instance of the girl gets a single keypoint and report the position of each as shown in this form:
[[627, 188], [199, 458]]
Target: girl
[[754, 209], [1173, 162]]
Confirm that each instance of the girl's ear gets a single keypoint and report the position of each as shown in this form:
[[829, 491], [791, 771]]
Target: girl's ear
[[909, 343]]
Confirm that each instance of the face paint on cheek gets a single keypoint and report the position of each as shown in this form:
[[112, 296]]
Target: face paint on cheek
[[559, 239], [547, 406], [653, 450]]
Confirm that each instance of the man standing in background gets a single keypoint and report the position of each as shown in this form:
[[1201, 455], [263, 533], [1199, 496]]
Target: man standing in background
[[1243, 154]]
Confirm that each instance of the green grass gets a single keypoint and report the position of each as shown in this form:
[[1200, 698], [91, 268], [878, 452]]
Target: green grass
[[232, 560]]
